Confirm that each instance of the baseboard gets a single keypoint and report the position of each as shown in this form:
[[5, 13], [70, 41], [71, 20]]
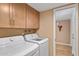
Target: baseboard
[[63, 44]]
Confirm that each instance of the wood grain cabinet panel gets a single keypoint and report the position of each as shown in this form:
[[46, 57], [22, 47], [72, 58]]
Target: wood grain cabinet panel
[[18, 15], [36, 19], [33, 18], [4, 15], [30, 14]]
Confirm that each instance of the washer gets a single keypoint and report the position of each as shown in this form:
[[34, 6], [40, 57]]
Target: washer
[[42, 42], [16, 46]]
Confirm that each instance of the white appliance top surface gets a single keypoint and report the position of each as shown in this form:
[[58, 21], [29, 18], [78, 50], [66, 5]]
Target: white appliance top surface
[[16, 47], [20, 50]]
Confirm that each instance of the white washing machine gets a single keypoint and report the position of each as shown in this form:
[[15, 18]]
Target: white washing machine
[[17, 46], [42, 42]]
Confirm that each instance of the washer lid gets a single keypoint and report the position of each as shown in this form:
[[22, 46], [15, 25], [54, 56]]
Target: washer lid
[[18, 49]]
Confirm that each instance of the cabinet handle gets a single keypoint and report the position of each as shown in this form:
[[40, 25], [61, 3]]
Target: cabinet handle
[[10, 22], [13, 22]]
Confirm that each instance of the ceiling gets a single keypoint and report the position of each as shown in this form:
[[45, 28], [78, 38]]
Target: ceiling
[[60, 15], [45, 6], [65, 14]]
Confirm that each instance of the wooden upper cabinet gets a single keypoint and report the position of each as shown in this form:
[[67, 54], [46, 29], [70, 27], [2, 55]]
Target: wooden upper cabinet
[[32, 18], [18, 15], [4, 15]]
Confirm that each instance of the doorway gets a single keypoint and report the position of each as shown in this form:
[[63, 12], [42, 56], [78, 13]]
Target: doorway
[[65, 35], [63, 41]]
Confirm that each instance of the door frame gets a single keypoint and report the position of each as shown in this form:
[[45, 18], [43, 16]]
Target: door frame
[[54, 26]]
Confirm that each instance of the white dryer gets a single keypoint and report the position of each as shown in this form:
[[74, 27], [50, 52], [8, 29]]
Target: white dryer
[[42, 42]]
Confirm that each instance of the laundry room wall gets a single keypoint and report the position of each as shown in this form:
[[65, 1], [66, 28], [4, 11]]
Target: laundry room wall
[[46, 27]]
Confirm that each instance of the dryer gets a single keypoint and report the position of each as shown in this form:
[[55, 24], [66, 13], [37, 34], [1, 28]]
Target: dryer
[[42, 42]]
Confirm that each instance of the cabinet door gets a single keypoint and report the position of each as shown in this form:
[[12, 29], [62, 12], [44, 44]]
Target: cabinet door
[[32, 20], [30, 15], [36, 19], [18, 15], [4, 15]]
